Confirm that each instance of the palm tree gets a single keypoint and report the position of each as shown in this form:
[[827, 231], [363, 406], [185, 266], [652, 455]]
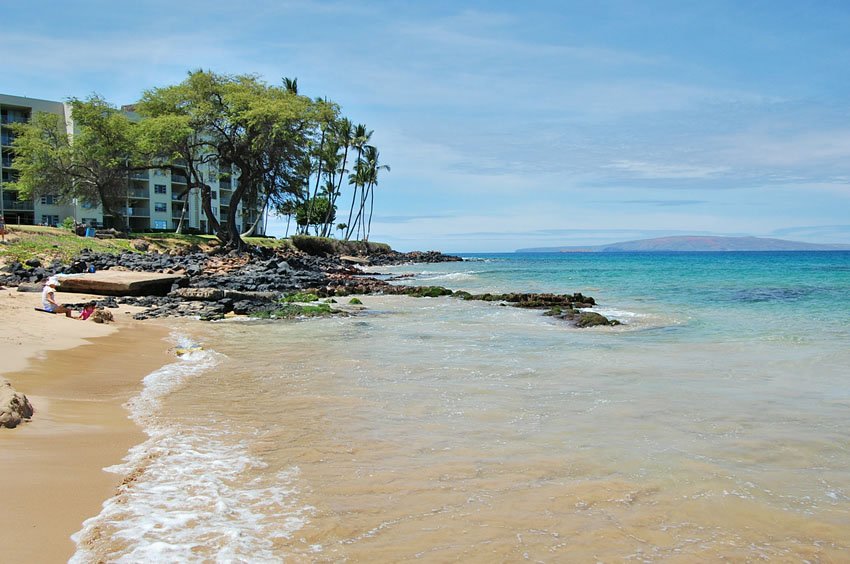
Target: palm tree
[[368, 179], [373, 167], [325, 116], [344, 136], [291, 85], [358, 178], [361, 138]]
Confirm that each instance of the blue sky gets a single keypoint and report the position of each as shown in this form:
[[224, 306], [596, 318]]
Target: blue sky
[[515, 124]]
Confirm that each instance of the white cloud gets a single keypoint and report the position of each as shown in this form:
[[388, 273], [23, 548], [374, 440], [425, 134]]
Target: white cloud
[[788, 148], [659, 170]]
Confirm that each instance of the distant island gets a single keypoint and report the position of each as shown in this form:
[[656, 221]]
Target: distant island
[[688, 243]]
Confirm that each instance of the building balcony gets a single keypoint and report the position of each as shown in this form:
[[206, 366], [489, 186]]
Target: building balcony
[[7, 119], [178, 179], [225, 184], [6, 139], [18, 205], [7, 163], [138, 212], [139, 194], [139, 175]]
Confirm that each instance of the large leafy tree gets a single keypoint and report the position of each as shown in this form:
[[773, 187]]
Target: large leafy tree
[[262, 130], [91, 164], [264, 135], [174, 130]]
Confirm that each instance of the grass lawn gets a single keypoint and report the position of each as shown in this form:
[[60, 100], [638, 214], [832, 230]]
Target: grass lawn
[[24, 242]]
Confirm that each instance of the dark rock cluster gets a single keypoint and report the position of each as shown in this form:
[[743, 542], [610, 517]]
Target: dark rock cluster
[[395, 257], [217, 283]]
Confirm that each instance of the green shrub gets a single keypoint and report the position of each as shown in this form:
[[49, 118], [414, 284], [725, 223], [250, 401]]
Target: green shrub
[[355, 301], [69, 223], [323, 246], [316, 246]]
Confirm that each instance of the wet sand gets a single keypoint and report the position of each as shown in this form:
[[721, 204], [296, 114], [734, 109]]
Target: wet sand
[[77, 375]]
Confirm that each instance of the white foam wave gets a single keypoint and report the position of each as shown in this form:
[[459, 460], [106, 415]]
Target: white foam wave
[[619, 314], [190, 488], [470, 275]]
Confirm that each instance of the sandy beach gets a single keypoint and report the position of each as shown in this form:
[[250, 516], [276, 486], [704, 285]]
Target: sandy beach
[[77, 375]]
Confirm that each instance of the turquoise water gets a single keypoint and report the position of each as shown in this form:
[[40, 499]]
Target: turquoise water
[[725, 294], [711, 425]]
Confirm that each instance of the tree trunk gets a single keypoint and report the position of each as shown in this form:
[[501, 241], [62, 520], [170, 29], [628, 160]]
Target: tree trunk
[[371, 210], [318, 178], [107, 208], [231, 235], [213, 225], [350, 214], [337, 192], [183, 211], [259, 217]]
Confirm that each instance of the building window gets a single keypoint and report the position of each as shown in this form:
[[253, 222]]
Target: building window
[[90, 221], [160, 207], [52, 220], [48, 200], [213, 195], [160, 224], [215, 210], [159, 188]]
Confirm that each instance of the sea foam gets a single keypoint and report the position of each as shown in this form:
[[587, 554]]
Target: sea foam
[[190, 491]]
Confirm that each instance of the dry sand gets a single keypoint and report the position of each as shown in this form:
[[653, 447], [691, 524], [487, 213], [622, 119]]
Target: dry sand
[[77, 375]]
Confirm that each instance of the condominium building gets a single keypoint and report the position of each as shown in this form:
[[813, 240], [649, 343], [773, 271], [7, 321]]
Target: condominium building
[[46, 209], [155, 198]]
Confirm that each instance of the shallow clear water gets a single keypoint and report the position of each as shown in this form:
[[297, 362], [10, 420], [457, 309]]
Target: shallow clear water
[[713, 424]]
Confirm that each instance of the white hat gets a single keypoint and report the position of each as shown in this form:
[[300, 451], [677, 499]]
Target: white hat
[[53, 281]]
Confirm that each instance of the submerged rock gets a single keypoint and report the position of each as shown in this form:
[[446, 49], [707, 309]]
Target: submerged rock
[[593, 319]]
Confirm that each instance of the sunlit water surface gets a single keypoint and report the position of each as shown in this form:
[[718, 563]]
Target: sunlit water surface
[[712, 424]]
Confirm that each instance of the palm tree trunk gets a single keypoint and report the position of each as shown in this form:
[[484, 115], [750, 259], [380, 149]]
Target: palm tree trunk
[[371, 210], [318, 178], [350, 214], [337, 191]]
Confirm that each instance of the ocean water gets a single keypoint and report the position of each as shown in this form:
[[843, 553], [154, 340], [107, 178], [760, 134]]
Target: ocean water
[[712, 425]]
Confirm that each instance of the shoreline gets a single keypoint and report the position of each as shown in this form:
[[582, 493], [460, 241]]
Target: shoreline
[[78, 376]]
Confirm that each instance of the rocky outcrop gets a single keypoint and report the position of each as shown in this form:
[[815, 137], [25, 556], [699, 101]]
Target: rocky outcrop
[[14, 406], [395, 257], [215, 294], [120, 283], [210, 285]]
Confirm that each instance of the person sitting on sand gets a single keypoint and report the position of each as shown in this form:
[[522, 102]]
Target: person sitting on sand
[[87, 310], [48, 298]]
